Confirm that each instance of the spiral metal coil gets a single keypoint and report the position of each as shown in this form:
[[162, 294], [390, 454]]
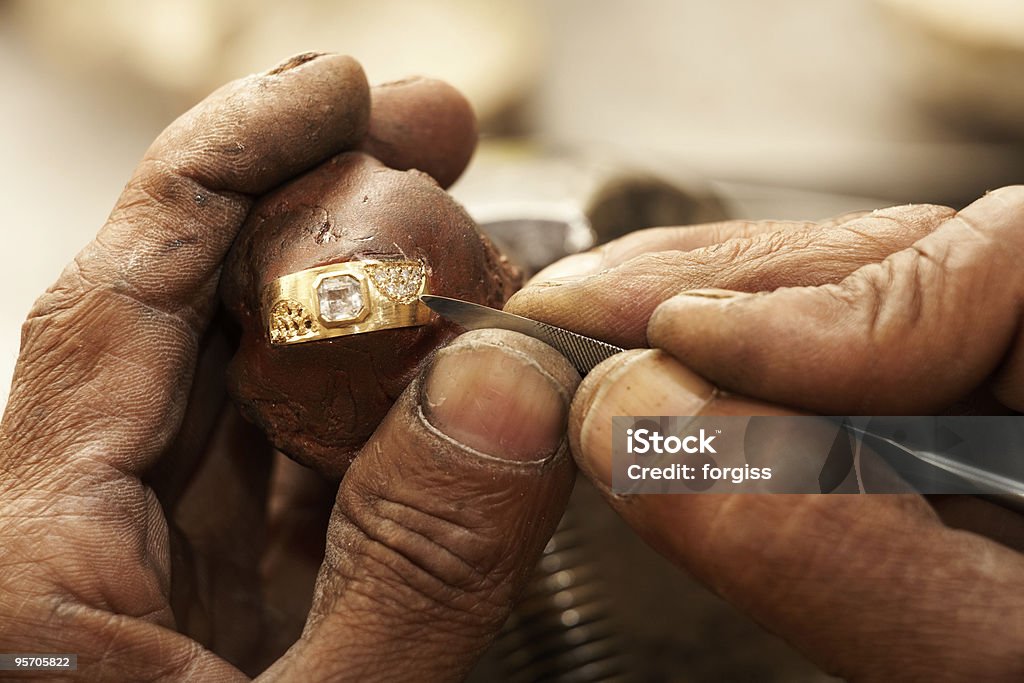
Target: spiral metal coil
[[563, 629]]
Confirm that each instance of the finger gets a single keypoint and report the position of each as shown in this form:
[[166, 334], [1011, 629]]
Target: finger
[[419, 123], [680, 238], [424, 124], [597, 305], [442, 517], [909, 335], [112, 344], [634, 244], [204, 415], [983, 517], [837, 576], [217, 534], [299, 508]]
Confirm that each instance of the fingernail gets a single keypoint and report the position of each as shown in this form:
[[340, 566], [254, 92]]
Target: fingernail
[[648, 382], [496, 401], [712, 293], [571, 268], [408, 80], [295, 62], [694, 301]]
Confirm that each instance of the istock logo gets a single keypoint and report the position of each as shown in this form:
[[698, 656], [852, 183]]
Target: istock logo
[[644, 441]]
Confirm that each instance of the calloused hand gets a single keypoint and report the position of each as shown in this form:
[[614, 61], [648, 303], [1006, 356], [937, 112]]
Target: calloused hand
[[135, 528], [909, 310]]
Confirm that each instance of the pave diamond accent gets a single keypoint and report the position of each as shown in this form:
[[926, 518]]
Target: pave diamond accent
[[400, 281], [290, 320], [341, 298]]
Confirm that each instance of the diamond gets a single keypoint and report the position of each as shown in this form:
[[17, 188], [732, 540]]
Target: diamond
[[341, 298], [400, 281]]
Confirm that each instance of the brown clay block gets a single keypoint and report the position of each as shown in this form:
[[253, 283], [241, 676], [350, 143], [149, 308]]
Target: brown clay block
[[319, 401]]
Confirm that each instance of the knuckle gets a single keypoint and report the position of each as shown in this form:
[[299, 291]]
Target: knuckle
[[72, 376], [642, 274], [158, 183], [62, 296], [746, 251], [895, 292], [868, 291], [53, 323], [407, 553], [175, 206], [919, 217], [778, 242], [657, 260], [168, 234], [730, 251]]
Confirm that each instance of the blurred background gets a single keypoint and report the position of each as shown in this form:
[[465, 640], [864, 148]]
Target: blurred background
[[788, 109]]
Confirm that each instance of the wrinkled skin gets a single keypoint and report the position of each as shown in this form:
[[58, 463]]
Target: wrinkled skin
[[145, 526], [912, 310], [319, 402], [118, 362]]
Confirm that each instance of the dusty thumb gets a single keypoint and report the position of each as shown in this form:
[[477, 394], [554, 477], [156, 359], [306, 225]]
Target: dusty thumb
[[442, 517]]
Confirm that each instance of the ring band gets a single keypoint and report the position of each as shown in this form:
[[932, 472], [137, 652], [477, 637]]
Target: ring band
[[341, 299]]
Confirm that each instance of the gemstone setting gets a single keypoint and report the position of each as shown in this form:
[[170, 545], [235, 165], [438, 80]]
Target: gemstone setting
[[289, 320], [399, 281], [340, 298]]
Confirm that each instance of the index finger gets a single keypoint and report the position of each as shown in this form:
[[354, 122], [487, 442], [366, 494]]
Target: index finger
[[675, 238], [114, 340], [786, 255], [908, 335]]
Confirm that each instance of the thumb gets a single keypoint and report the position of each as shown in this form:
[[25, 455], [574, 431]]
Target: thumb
[[909, 335], [872, 588], [442, 517]]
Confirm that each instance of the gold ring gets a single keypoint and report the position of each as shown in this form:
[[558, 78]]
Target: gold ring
[[345, 298]]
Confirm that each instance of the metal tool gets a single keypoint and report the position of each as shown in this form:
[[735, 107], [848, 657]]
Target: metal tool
[[539, 205], [582, 351], [565, 626], [586, 352]]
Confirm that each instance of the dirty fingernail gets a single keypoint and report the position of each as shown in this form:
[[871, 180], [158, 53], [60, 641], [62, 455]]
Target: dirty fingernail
[[496, 401]]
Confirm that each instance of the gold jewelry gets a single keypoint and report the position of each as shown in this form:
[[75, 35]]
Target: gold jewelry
[[345, 298]]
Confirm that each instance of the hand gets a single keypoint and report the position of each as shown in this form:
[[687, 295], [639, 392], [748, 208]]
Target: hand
[[134, 503], [910, 310]]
